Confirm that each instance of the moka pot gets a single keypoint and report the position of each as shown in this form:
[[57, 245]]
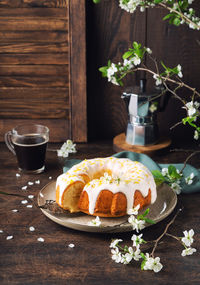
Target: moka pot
[[142, 128]]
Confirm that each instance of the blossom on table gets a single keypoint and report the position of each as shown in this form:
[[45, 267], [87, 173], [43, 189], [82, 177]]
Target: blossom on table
[[137, 240], [116, 255], [187, 240], [188, 251], [152, 263], [66, 148], [131, 254], [115, 242]]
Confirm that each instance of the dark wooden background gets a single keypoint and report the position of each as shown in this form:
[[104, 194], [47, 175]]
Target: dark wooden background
[[110, 31]]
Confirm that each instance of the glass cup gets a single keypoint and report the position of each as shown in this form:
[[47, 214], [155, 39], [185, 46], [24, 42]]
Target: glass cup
[[29, 142]]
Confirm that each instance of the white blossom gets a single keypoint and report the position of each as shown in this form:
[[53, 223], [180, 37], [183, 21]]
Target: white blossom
[[179, 68], [14, 210], [157, 79], [136, 224], [188, 251], [196, 135], [126, 258], [189, 179], [18, 175], [96, 222], [176, 187], [9, 237], [24, 187], [30, 183], [37, 182], [137, 240], [71, 245], [187, 240], [40, 239], [66, 148], [136, 60], [115, 242], [113, 80], [149, 51], [116, 255], [192, 108], [164, 171], [31, 229], [153, 108], [128, 63], [30, 196], [152, 263], [24, 202], [134, 211]]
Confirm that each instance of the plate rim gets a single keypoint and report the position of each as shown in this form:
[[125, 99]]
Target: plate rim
[[105, 229]]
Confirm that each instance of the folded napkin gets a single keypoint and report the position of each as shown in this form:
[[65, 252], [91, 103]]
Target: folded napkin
[[152, 165]]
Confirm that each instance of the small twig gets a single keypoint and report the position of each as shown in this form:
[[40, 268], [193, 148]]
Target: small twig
[[167, 234], [165, 231], [188, 158], [175, 125]]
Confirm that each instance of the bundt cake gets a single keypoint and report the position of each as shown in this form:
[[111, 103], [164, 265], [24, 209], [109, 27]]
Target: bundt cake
[[105, 187]]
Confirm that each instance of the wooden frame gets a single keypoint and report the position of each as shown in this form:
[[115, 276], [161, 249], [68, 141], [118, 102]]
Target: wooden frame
[[78, 70]]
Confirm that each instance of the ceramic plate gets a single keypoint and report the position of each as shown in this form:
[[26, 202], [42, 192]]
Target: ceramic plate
[[164, 205]]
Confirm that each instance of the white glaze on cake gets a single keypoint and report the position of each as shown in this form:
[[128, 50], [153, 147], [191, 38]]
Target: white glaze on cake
[[63, 181], [126, 177]]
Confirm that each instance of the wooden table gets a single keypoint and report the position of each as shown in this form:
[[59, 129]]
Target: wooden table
[[24, 260]]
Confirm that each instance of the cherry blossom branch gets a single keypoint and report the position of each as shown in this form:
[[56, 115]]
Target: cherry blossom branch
[[188, 158], [165, 232], [184, 17], [180, 84]]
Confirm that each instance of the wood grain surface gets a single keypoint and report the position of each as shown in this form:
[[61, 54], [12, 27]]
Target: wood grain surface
[[24, 260], [40, 76]]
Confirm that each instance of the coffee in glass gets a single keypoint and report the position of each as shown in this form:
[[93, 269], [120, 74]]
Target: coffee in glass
[[29, 142]]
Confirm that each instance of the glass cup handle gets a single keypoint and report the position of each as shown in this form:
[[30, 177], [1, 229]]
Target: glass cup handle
[[8, 142]]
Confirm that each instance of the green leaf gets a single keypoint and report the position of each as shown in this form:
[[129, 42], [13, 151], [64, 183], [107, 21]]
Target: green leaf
[[127, 54], [142, 255], [103, 70], [149, 221], [146, 212], [143, 264], [168, 16], [176, 21], [173, 172], [157, 174], [171, 169], [96, 1]]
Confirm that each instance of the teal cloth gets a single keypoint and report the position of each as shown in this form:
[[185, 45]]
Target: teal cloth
[[152, 165]]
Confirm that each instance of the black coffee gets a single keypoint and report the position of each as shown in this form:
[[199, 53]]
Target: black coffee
[[30, 151]]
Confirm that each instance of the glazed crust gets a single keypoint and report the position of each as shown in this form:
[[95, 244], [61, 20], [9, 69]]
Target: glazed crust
[[112, 205]]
